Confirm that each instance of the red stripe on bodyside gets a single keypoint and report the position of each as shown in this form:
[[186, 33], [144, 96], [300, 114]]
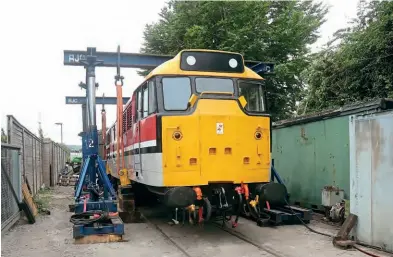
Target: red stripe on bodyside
[[148, 127]]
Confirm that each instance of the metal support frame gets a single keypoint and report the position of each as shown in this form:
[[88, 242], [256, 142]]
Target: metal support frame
[[99, 100], [93, 176], [275, 175], [144, 61]]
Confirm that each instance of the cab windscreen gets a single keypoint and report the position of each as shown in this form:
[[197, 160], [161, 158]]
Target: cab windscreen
[[212, 62]]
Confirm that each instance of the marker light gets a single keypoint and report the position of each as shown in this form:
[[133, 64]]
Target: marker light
[[191, 60], [232, 63]]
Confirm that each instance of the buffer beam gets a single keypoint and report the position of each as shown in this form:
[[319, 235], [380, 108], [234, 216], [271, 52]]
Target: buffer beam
[[142, 61], [99, 100]]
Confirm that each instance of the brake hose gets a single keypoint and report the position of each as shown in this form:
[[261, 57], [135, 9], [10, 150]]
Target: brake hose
[[239, 210]]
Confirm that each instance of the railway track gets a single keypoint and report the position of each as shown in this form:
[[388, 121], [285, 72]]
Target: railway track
[[249, 241], [187, 249]]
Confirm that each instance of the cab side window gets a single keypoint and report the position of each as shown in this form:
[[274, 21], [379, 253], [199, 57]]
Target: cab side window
[[146, 103], [152, 97], [145, 90], [139, 105]]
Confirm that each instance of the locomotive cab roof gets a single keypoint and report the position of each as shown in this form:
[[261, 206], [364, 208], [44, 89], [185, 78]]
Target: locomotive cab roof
[[203, 62]]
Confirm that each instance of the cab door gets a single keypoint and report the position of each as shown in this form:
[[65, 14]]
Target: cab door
[[136, 147]]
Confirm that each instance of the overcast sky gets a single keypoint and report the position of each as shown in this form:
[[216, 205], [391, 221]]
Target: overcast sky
[[34, 81]]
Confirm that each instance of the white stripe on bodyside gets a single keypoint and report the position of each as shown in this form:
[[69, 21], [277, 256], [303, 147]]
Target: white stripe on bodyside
[[148, 143], [151, 170], [144, 144]]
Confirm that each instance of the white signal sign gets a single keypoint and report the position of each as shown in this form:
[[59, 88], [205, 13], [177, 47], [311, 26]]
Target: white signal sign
[[220, 128]]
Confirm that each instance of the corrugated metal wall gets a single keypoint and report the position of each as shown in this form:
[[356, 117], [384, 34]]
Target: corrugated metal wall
[[312, 155], [371, 141], [32, 164]]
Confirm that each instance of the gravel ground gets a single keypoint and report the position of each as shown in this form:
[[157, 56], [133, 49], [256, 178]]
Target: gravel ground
[[51, 236]]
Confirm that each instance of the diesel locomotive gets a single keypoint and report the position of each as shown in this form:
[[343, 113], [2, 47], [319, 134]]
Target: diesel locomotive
[[197, 135]]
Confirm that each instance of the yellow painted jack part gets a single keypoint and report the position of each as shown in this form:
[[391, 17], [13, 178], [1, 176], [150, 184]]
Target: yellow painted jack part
[[124, 180], [108, 169]]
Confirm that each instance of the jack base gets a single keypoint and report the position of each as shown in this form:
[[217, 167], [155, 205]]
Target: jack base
[[105, 205], [108, 231]]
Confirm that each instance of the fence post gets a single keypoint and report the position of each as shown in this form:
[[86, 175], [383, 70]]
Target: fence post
[[23, 155], [33, 166], [41, 166]]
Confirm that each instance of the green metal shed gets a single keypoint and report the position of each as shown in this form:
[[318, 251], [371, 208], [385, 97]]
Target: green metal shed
[[311, 152]]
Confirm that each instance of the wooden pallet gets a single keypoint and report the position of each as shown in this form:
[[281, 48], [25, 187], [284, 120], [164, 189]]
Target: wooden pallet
[[95, 239], [68, 180], [29, 199]]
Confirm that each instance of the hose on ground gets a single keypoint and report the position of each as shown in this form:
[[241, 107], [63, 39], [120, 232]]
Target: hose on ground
[[312, 230], [85, 218], [369, 246], [363, 251], [323, 234]]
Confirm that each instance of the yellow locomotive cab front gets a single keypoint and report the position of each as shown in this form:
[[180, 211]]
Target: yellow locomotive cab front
[[218, 142]]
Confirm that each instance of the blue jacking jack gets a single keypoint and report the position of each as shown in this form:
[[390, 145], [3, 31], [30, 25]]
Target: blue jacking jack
[[100, 200], [95, 198]]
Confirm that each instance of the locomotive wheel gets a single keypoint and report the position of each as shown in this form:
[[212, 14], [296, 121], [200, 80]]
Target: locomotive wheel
[[206, 213], [207, 209], [143, 197]]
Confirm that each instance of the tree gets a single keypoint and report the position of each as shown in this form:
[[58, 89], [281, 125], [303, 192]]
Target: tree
[[40, 131], [360, 66], [278, 32], [4, 138]]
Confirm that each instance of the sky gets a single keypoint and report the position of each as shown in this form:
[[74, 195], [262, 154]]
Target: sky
[[33, 79]]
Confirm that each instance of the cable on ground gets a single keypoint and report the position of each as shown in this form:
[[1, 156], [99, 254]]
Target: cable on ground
[[323, 234]]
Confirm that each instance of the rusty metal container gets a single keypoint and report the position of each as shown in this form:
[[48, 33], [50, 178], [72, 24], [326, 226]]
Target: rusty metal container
[[371, 177], [312, 152]]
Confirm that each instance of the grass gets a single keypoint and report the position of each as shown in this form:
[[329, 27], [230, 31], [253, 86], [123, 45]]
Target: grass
[[42, 199]]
